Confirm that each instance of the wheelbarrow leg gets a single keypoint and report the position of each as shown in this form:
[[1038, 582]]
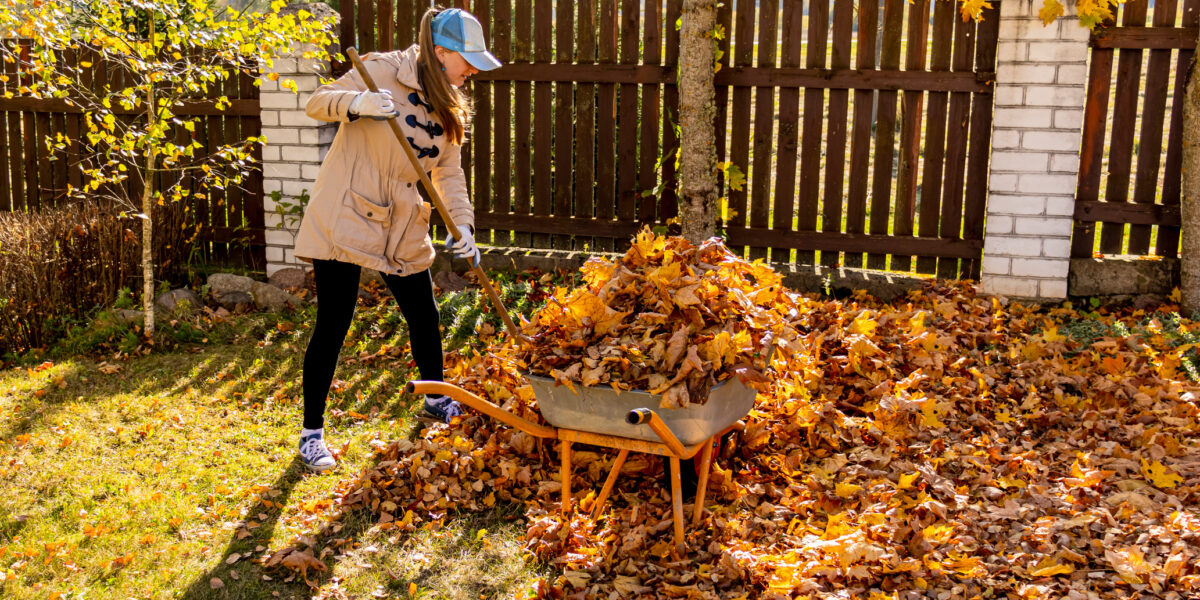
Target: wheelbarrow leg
[[706, 455], [609, 482], [677, 502], [566, 476]]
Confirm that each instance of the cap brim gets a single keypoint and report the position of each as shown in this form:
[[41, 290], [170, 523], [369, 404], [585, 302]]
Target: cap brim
[[484, 61]]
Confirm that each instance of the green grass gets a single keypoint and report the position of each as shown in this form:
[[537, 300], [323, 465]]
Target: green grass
[[145, 482]]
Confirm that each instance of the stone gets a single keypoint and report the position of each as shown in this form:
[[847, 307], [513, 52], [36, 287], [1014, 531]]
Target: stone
[[269, 297], [237, 302], [171, 301], [449, 281], [1117, 275], [290, 278], [128, 315], [221, 283]]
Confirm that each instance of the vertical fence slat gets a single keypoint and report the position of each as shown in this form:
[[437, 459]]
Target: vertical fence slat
[[522, 94], [739, 129], [1153, 111], [980, 142], [6, 192], [564, 29], [481, 134], [792, 24], [346, 33], [387, 32], [935, 131], [668, 207], [366, 26], [627, 118], [1124, 115], [408, 17], [1095, 120], [956, 147], [1168, 237], [809, 198], [502, 94], [648, 146], [835, 147], [45, 172], [585, 123], [910, 130], [16, 159], [860, 144], [764, 122], [543, 124], [885, 128], [30, 133], [73, 127], [606, 119]]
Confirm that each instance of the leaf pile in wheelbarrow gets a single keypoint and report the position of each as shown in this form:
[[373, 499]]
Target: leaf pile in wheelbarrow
[[668, 317]]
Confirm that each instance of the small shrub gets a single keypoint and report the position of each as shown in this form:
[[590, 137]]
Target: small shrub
[[59, 265]]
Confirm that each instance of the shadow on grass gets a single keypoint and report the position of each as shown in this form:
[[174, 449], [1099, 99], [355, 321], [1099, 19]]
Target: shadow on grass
[[258, 532]]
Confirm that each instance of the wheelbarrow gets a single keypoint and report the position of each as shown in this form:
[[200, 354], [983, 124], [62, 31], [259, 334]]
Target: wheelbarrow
[[624, 421]]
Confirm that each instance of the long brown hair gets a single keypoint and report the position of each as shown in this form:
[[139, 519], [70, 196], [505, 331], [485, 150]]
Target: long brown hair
[[451, 106]]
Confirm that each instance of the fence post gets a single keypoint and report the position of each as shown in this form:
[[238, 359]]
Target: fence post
[[296, 144], [1041, 77]]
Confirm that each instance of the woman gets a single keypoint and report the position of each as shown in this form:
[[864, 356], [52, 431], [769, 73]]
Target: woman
[[365, 210]]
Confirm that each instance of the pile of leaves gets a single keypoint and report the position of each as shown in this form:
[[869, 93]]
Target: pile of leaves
[[942, 445], [668, 318]]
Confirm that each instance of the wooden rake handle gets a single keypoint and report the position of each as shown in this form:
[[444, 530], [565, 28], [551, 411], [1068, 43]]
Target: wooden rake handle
[[433, 195]]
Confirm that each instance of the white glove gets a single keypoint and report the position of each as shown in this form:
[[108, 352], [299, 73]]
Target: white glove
[[376, 105], [463, 246]]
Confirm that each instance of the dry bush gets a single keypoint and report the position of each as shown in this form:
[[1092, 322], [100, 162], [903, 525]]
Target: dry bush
[[60, 264]]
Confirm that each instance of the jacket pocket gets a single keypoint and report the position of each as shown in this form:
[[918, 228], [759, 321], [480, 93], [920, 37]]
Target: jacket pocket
[[362, 225], [413, 244]]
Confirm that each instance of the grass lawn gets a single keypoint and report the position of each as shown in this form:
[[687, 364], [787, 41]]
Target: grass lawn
[[172, 476]]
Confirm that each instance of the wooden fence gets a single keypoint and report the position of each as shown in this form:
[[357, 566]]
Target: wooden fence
[[1136, 210], [885, 159], [229, 223]]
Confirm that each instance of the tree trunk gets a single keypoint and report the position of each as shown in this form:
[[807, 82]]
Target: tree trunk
[[697, 111], [1189, 264], [147, 209]]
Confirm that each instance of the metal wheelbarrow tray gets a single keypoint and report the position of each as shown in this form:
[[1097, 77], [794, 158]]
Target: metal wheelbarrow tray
[[603, 410]]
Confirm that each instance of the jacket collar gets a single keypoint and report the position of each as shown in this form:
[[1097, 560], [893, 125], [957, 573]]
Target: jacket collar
[[406, 62]]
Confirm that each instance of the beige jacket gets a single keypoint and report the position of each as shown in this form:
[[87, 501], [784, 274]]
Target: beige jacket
[[364, 208]]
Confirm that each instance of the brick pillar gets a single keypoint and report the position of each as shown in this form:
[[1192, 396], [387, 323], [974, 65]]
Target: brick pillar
[[1041, 78], [296, 145]]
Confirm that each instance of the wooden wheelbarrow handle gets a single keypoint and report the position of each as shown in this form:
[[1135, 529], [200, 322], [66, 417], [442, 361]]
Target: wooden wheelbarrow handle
[[448, 220], [638, 416], [480, 405]]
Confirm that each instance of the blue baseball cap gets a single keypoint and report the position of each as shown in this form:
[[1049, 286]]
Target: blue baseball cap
[[456, 29]]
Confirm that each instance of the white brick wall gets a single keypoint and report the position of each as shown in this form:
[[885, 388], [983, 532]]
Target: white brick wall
[[1041, 74], [295, 147]]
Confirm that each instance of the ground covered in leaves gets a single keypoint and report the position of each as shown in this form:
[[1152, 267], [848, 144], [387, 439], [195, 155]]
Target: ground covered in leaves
[[941, 445]]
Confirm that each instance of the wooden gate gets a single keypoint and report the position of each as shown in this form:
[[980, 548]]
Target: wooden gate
[[1136, 210], [228, 223], [863, 131]]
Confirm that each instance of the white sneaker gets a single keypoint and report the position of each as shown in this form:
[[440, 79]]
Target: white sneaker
[[314, 454]]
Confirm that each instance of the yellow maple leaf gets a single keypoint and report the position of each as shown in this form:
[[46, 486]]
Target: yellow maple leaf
[[907, 480], [846, 490], [1159, 475], [863, 324], [1050, 11], [1049, 566], [1176, 296]]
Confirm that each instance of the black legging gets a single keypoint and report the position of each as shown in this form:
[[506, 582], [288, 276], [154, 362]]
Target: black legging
[[337, 293]]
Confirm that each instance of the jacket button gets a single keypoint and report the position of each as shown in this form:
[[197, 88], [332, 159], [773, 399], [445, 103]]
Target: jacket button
[[370, 214], [410, 184]]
